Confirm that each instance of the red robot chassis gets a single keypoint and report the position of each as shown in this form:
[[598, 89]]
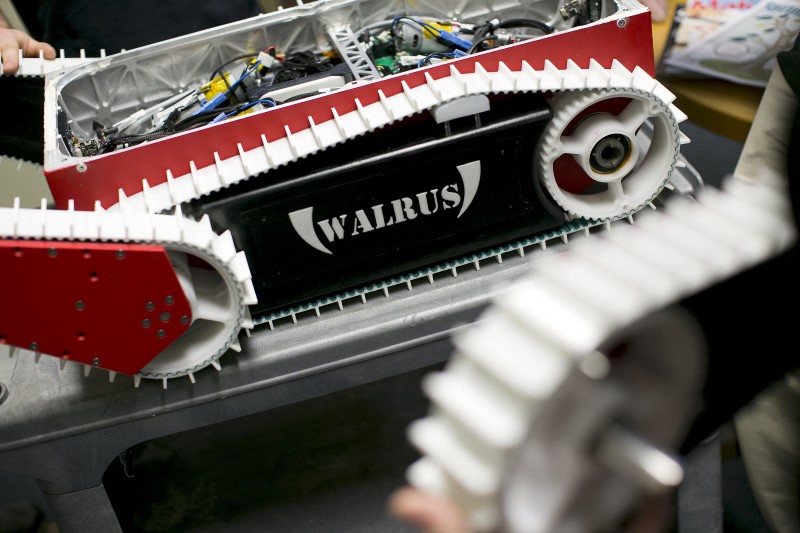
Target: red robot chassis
[[419, 144]]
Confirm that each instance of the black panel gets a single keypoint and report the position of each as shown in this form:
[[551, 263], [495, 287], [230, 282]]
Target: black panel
[[22, 134], [386, 203]]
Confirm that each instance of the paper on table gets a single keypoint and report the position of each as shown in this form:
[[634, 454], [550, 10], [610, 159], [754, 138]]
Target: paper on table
[[744, 49]]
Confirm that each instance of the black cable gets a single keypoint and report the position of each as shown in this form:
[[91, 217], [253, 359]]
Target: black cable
[[298, 65], [476, 44], [481, 33], [218, 71], [298, 97], [523, 23], [168, 128]]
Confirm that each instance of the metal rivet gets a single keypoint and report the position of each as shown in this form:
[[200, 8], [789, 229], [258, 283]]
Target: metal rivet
[[146, 323], [120, 254], [621, 23], [169, 300], [149, 306], [161, 333], [52, 252], [80, 305], [34, 345], [164, 317], [80, 167], [184, 319], [96, 361]]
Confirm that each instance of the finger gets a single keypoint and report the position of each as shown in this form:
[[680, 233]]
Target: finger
[[653, 515], [9, 50], [12, 41], [658, 9], [32, 48], [431, 514]]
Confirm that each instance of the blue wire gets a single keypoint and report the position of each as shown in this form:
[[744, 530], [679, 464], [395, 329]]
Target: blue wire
[[422, 61], [247, 72], [245, 108], [223, 97], [420, 22]]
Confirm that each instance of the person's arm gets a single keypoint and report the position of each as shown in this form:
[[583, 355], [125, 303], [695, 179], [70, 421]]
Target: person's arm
[[12, 41], [658, 9]]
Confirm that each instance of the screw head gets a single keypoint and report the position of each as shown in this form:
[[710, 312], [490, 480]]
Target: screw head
[[120, 254], [52, 252], [80, 305], [149, 306], [161, 333], [146, 323], [34, 345], [169, 300], [184, 319], [96, 361]]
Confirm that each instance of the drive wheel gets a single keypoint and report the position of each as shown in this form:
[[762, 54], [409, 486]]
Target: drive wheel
[[595, 160], [218, 315]]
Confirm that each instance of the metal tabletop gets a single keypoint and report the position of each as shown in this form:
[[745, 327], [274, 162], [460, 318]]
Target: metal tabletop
[[64, 429]]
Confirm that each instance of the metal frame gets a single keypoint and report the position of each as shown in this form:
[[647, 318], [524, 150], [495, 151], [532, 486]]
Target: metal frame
[[64, 430]]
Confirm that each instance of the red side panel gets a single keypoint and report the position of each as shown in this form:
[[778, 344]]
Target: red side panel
[[109, 305], [630, 43]]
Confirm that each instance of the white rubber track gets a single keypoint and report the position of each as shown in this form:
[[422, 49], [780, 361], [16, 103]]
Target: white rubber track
[[387, 110], [180, 236], [523, 347]]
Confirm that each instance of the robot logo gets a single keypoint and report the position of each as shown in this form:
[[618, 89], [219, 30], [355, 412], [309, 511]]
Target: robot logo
[[390, 213]]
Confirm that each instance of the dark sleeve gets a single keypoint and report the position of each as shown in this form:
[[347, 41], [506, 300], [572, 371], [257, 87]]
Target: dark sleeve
[[789, 63], [92, 25], [750, 320], [27, 12]]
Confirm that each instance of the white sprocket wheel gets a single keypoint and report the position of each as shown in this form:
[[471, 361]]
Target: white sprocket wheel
[[218, 286], [594, 158]]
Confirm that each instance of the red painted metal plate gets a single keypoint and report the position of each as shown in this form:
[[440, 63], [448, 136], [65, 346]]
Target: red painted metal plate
[[111, 305]]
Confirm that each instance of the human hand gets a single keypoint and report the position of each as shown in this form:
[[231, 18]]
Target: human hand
[[435, 514], [658, 9], [431, 514], [12, 41]]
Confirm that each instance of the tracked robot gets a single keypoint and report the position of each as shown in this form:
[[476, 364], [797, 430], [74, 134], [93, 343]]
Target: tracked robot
[[273, 167]]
